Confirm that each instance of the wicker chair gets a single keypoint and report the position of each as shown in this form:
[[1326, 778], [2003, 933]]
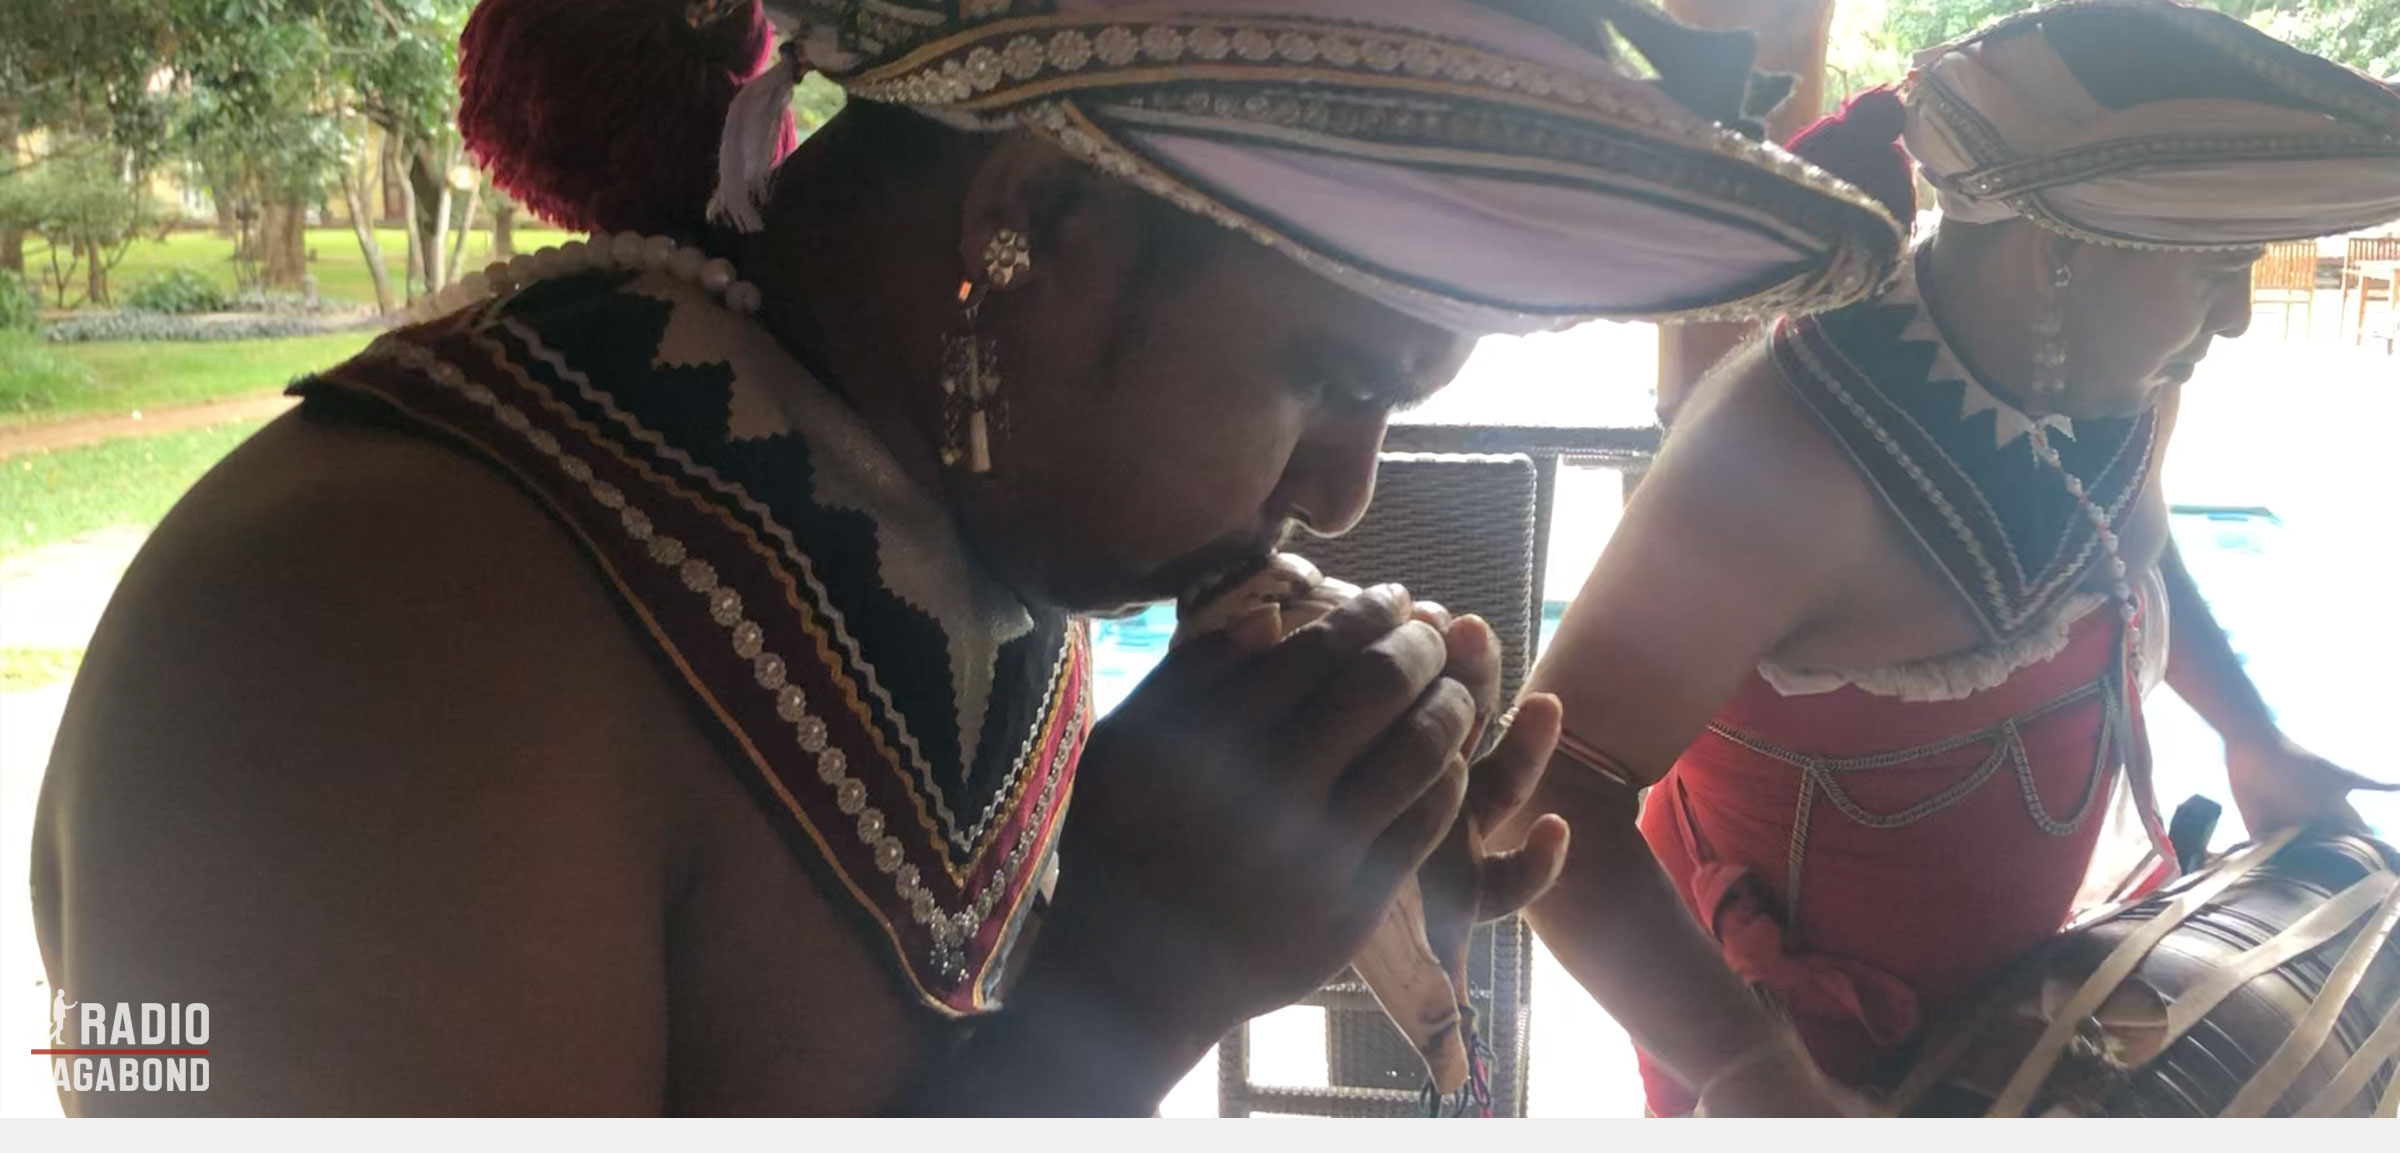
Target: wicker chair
[[1459, 530], [2287, 275], [1461, 516], [2359, 250]]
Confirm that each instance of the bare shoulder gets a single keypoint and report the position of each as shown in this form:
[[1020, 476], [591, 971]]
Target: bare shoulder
[[364, 758], [1751, 469], [1746, 532], [1748, 463]]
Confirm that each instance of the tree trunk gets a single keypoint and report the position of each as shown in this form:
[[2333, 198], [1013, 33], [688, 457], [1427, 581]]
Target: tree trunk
[[12, 248], [95, 277], [59, 276], [466, 225], [408, 220], [363, 225], [504, 229], [388, 183], [1792, 38], [283, 239], [437, 262], [247, 221], [428, 213], [221, 200]]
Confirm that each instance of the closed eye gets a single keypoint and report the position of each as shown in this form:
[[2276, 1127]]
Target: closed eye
[[1339, 392], [1355, 379]]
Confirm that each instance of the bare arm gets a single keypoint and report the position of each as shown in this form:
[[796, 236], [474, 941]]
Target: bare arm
[[2201, 664], [2276, 783], [1739, 538]]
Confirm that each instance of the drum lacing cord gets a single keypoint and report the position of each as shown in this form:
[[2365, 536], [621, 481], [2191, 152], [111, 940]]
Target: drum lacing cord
[[2008, 747], [2316, 1025], [2191, 894], [2120, 964]]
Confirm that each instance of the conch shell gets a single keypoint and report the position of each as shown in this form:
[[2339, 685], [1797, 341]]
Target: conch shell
[[1419, 994]]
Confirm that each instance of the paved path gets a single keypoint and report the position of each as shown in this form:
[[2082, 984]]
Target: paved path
[[50, 598]]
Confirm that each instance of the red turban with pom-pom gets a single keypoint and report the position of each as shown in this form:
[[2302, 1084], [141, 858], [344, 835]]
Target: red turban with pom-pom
[[604, 115]]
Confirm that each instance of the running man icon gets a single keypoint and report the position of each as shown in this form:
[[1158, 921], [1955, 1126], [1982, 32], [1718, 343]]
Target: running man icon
[[58, 1016]]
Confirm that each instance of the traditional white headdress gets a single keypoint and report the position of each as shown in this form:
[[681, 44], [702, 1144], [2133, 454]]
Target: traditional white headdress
[[2152, 124]]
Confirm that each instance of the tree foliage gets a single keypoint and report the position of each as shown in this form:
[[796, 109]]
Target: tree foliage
[[83, 206], [269, 98]]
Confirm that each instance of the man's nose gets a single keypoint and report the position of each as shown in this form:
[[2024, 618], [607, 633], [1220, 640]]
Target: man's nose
[[1330, 478]]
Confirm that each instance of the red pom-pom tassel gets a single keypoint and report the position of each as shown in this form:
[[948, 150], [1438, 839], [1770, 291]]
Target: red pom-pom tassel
[[604, 115]]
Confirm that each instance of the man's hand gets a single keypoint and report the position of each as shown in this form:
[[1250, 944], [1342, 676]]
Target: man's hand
[[1242, 822], [2277, 784], [1464, 883]]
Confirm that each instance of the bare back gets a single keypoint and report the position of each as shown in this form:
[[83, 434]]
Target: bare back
[[366, 758]]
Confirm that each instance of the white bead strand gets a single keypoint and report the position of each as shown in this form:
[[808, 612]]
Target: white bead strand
[[629, 251]]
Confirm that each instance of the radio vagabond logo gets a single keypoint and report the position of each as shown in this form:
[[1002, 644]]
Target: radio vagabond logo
[[124, 1047]]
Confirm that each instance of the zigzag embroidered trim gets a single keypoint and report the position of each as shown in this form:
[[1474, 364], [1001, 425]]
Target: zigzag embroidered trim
[[950, 929]]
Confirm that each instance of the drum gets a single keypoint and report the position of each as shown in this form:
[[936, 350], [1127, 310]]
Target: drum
[[2266, 983]]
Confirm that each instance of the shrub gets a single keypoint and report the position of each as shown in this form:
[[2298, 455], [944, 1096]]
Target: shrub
[[87, 327], [179, 291]]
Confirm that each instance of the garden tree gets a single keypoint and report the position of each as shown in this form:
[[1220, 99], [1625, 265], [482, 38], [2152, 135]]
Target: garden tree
[[76, 78], [17, 209], [287, 91], [357, 168], [263, 94], [255, 115], [403, 80], [90, 215]]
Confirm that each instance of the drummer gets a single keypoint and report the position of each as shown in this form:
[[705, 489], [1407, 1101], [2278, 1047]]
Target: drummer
[[1876, 626]]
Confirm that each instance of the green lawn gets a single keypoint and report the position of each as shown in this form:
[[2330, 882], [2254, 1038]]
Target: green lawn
[[35, 377], [24, 670], [46, 497], [47, 382], [340, 268]]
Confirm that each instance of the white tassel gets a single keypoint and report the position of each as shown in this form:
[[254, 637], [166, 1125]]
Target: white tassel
[[752, 147]]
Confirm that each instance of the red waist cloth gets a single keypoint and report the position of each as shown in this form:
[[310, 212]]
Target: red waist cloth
[[1890, 923]]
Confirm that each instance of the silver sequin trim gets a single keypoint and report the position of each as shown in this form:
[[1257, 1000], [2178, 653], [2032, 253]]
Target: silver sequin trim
[[950, 929]]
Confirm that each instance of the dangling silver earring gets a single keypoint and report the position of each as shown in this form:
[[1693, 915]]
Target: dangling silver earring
[[973, 412], [2050, 323]]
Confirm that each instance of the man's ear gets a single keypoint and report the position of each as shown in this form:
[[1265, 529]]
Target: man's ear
[[1024, 184]]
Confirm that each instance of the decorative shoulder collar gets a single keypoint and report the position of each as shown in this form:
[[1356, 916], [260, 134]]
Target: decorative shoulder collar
[[1953, 459], [907, 723]]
